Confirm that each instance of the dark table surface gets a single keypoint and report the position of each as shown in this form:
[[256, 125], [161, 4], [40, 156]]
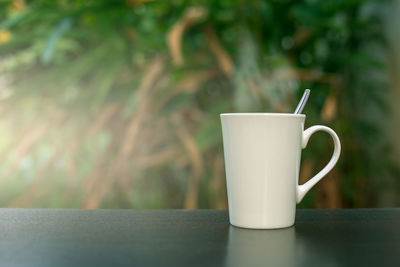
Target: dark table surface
[[47, 237]]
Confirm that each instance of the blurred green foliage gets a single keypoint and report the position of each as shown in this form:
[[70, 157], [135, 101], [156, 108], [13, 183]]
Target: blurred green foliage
[[116, 104]]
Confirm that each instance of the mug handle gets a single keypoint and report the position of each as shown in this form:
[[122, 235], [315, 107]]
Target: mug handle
[[304, 188]]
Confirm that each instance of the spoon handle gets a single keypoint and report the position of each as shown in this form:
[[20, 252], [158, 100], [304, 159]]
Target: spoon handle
[[302, 102]]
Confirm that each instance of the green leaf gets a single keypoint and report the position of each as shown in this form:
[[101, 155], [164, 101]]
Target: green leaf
[[62, 27]]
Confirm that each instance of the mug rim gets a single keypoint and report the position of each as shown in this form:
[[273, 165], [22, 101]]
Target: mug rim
[[264, 114]]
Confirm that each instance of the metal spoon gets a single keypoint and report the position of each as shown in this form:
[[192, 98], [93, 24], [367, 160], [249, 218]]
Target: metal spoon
[[302, 102]]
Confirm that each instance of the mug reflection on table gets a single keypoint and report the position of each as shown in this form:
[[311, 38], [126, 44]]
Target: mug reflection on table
[[261, 248]]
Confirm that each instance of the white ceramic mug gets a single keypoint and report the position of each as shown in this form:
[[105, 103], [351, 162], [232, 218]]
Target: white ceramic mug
[[262, 163]]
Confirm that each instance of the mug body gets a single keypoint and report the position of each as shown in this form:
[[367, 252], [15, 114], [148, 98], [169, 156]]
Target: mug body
[[262, 161]]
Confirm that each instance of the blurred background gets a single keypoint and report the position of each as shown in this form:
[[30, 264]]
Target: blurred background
[[115, 104]]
